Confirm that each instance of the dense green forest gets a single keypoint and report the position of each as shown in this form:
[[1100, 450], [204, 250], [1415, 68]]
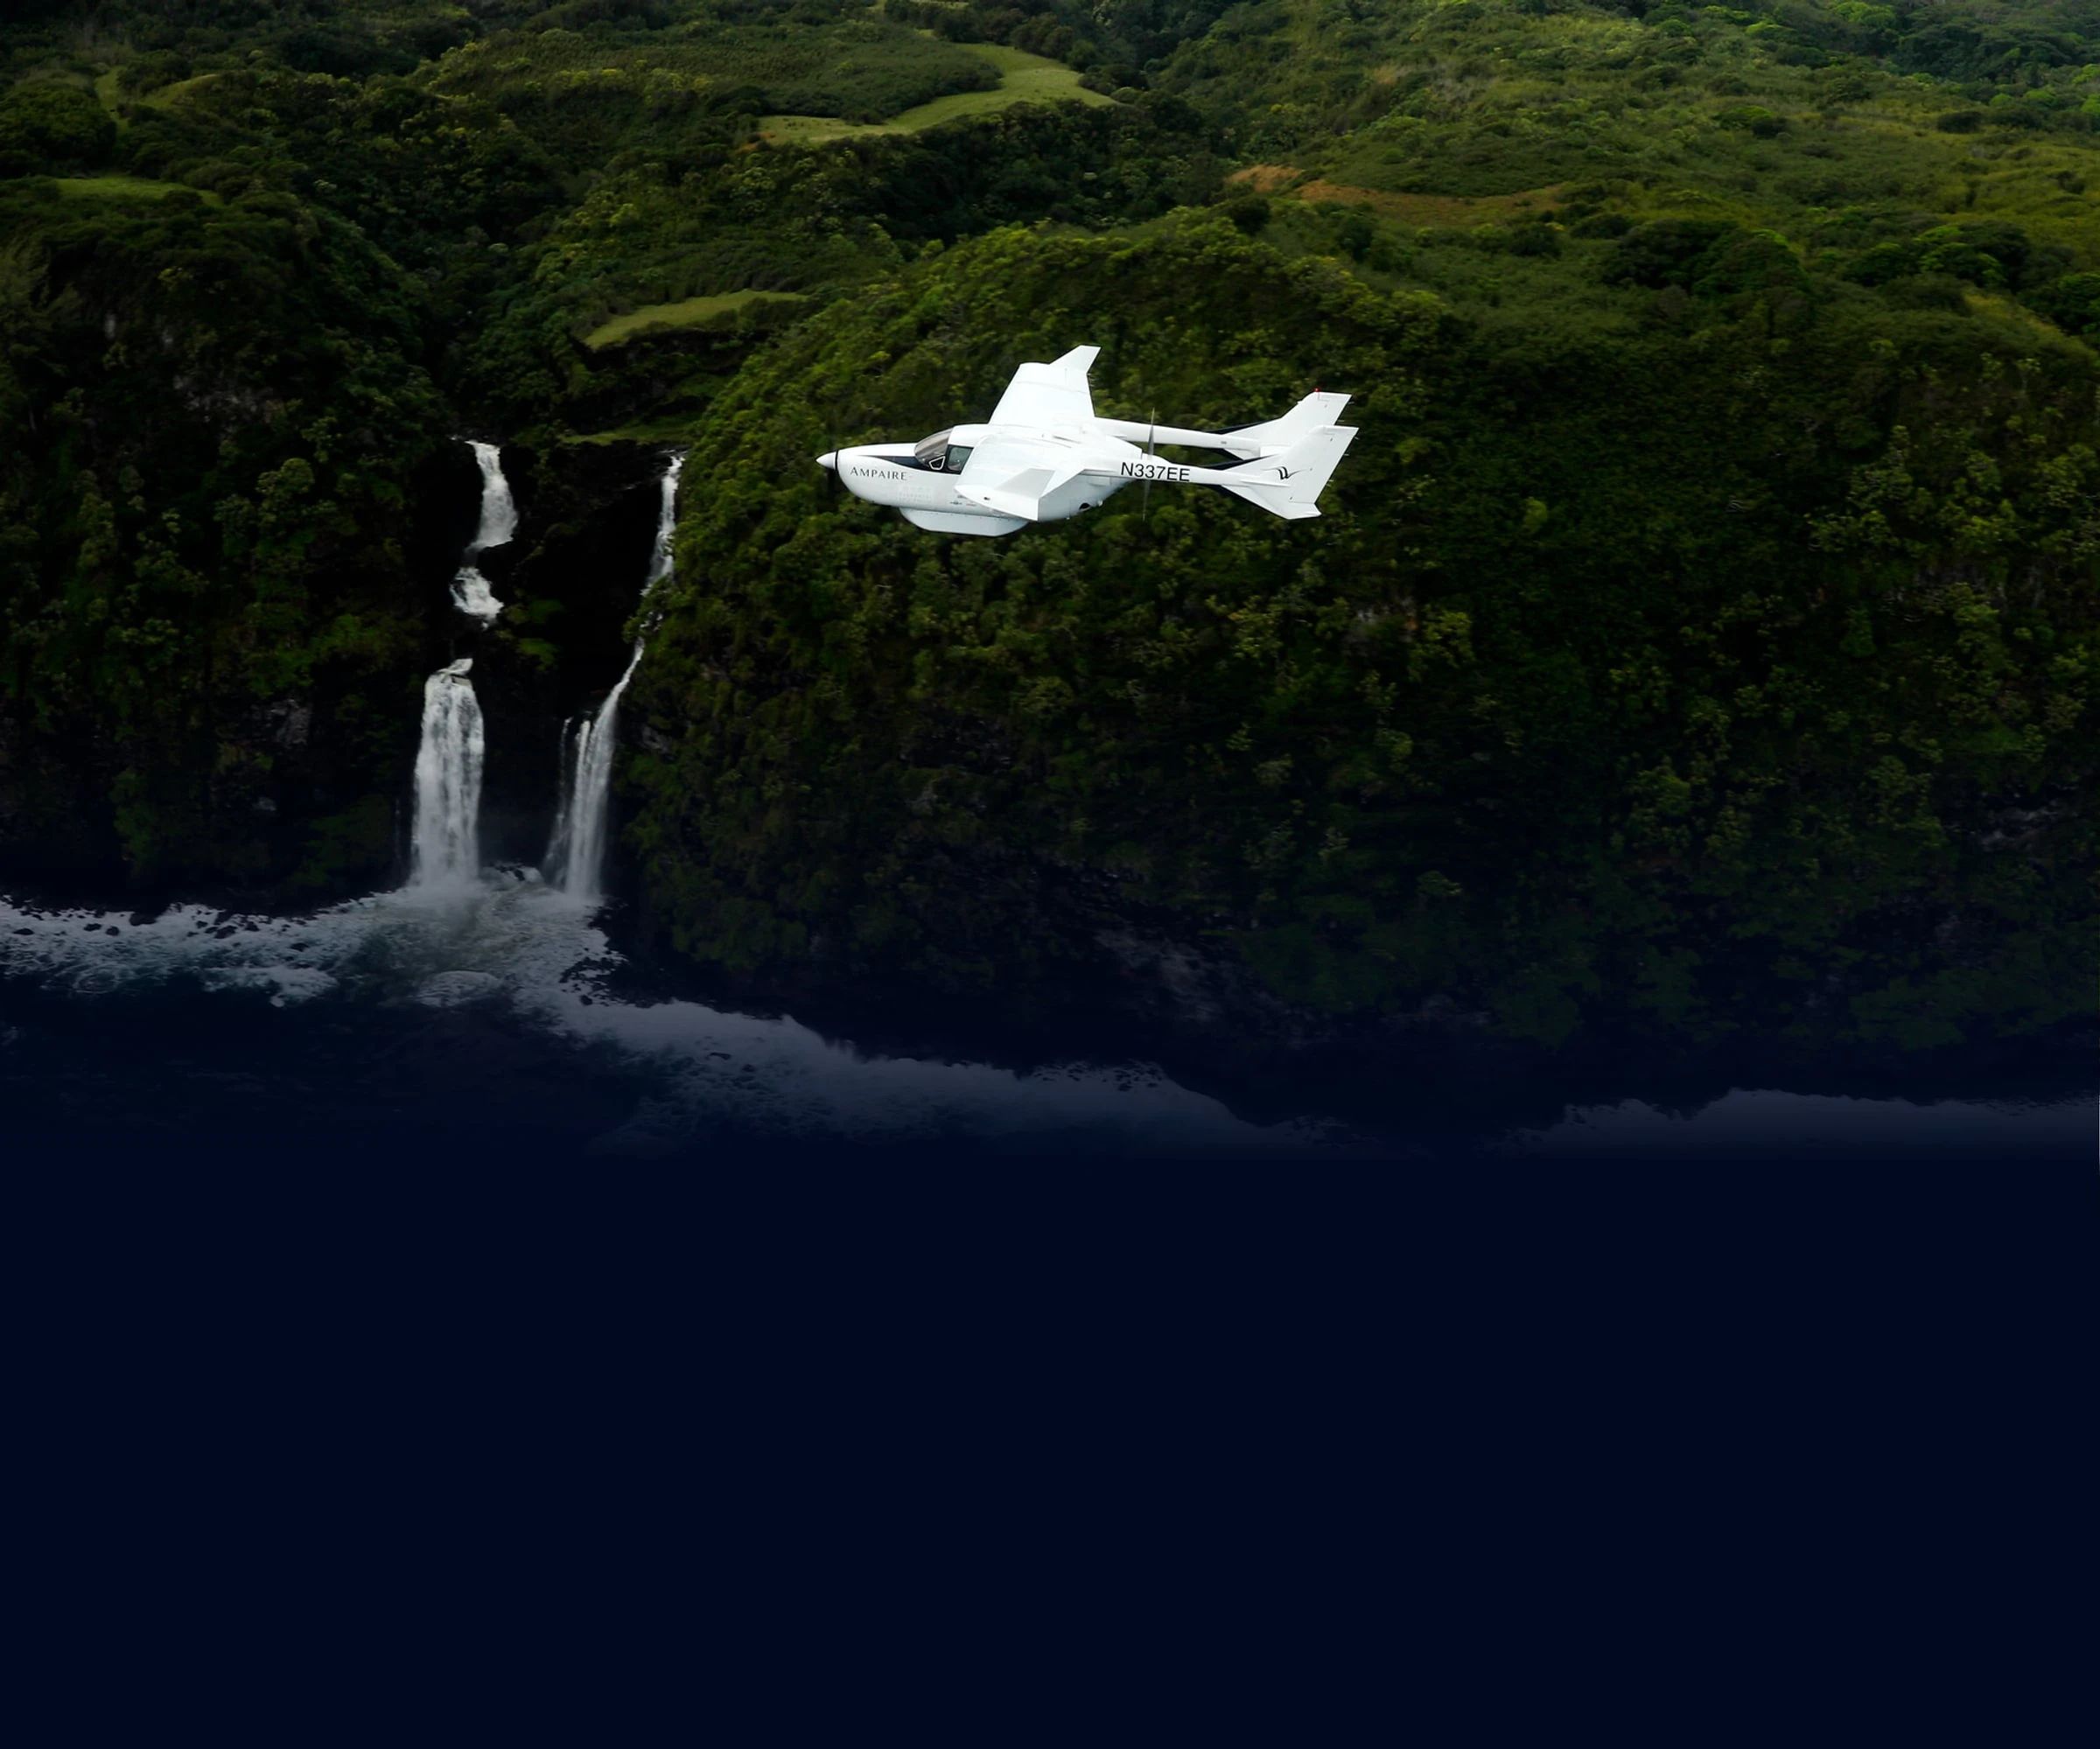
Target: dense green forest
[[1699, 638]]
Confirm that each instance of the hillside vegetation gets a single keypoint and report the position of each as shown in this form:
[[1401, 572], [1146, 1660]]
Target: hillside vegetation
[[1023, 77], [1700, 637]]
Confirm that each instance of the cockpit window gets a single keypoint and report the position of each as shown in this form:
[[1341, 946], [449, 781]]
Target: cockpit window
[[936, 455]]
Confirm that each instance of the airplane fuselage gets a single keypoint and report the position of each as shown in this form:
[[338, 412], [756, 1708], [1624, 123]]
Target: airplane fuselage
[[924, 488]]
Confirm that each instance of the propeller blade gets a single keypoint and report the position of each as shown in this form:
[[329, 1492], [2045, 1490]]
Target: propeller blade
[[1145, 500]]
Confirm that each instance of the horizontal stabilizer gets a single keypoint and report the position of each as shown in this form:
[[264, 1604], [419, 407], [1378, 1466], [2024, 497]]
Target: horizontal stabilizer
[[1312, 412], [1289, 485]]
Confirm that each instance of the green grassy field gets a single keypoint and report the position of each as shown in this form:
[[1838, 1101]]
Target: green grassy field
[[674, 430], [112, 98], [125, 188], [168, 95], [1024, 79], [686, 314]]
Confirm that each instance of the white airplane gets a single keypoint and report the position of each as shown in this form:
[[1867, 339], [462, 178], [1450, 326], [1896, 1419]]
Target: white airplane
[[1044, 456]]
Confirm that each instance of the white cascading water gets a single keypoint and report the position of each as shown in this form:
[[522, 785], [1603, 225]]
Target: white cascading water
[[446, 851], [576, 854], [577, 849], [471, 593]]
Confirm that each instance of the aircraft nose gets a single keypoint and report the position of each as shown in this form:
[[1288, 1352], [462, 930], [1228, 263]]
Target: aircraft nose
[[829, 460]]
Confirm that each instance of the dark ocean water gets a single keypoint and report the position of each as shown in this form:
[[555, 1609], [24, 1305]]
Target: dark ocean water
[[497, 1020]]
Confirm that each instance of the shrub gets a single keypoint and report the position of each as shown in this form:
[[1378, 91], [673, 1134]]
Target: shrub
[[1666, 252], [2073, 302], [47, 126], [1753, 118]]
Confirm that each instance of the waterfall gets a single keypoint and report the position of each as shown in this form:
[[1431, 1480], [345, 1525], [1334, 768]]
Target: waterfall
[[576, 852], [667, 526], [498, 513], [578, 848], [471, 593], [447, 850]]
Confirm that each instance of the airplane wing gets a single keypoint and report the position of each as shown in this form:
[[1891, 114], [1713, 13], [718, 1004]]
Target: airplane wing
[[1014, 479], [1049, 394]]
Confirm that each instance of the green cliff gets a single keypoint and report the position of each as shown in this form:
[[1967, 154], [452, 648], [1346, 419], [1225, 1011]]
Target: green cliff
[[1716, 674]]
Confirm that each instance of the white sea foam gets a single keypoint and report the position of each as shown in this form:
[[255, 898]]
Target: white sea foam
[[1782, 1126], [513, 939]]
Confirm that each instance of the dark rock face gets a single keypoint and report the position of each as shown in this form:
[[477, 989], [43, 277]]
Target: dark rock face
[[569, 582], [448, 509], [45, 835]]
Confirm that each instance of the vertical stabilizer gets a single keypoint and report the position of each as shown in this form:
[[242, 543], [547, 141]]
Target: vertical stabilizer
[[1289, 485], [1278, 435]]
